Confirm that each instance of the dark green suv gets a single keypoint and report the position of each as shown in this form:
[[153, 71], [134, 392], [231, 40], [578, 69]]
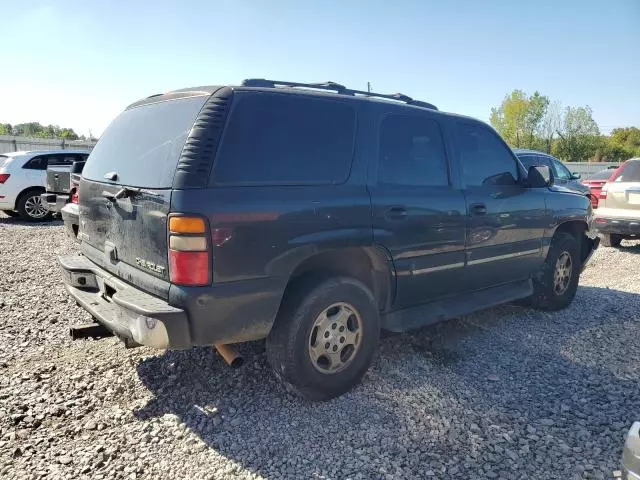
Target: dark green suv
[[312, 216]]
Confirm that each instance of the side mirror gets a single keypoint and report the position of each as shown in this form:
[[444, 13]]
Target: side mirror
[[575, 176], [539, 176]]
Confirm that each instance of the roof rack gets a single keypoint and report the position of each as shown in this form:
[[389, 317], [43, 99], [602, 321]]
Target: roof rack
[[335, 87]]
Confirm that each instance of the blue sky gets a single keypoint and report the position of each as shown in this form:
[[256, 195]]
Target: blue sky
[[79, 63]]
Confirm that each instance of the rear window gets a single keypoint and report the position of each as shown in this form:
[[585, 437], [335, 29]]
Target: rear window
[[143, 144], [630, 172], [601, 175], [279, 139]]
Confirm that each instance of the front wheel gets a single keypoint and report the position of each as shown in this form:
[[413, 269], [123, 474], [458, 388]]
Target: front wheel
[[324, 337], [555, 285]]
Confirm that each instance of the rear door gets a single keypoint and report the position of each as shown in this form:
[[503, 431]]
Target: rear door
[[623, 191], [418, 214], [125, 190], [506, 220]]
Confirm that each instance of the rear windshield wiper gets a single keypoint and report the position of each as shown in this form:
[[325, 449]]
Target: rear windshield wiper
[[127, 192]]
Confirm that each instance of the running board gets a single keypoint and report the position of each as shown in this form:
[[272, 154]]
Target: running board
[[430, 313]]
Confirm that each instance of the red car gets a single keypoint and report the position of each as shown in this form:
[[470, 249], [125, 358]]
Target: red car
[[595, 183]]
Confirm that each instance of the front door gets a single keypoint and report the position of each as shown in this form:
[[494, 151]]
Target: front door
[[506, 220], [418, 216]]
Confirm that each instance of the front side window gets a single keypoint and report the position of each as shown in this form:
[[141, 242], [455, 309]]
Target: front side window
[[411, 152], [280, 139], [484, 159]]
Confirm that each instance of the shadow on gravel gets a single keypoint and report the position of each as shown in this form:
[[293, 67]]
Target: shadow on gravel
[[9, 221], [506, 390]]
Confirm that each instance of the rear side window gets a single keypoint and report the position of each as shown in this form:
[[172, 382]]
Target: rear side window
[[3, 159], [484, 159], [411, 152], [36, 163], [143, 144], [630, 172], [280, 139]]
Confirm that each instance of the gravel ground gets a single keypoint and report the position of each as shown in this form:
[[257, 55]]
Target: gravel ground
[[506, 393]]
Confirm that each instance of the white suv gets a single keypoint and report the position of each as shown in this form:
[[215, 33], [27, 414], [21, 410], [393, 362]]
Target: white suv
[[22, 180]]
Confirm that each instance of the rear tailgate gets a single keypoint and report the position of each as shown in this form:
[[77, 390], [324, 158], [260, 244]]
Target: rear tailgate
[[125, 191], [58, 179], [623, 191]]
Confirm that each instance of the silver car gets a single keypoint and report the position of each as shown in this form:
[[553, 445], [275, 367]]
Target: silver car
[[631, 454], [618, 214]]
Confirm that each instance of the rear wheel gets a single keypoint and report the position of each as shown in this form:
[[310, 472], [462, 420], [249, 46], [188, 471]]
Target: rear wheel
[[32, 208], [10, 213], [325, 337], [611, 240], [555, 285]]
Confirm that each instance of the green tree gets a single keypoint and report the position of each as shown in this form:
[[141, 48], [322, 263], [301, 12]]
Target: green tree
[[579, 135], [510, 118], [627, 140], [550, 124], [5, 129], [537, 108], [519, 119]]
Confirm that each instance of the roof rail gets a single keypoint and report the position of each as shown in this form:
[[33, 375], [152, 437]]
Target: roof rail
[[335, 87]]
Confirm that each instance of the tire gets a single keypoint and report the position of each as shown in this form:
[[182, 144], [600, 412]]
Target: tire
[[10, 213], [611, 240], [338, 304], [547, 294], [30, 207]]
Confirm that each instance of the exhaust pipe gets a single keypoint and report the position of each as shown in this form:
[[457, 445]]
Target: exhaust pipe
[[230, 355]]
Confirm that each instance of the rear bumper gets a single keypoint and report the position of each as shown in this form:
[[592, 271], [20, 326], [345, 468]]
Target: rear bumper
[[631, 453], [192, 316], [618, 226], [70, 217], [55, 201], [131, 314]]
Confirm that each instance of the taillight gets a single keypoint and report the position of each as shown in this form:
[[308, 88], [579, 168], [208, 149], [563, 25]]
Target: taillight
[[74, 196], [4, 177], [189, 252]]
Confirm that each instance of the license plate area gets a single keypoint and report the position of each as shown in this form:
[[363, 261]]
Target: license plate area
[[633, 198]]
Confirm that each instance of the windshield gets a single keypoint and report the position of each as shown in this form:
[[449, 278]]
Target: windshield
[[143, 144]]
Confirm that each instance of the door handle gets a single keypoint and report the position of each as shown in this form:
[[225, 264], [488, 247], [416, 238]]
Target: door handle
[[478, 209], [396, 213]]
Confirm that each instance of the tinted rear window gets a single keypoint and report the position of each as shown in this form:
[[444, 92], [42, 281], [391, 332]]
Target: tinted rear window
[[630, 172], [601, 175], [143, 144], [282, 139]]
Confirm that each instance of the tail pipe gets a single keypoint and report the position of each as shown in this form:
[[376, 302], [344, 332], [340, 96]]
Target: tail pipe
[[230, 355]]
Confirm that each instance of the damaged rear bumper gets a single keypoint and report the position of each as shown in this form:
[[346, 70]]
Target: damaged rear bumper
[[134, 316]]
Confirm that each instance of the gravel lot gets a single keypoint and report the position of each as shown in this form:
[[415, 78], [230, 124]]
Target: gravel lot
[[507, 393]]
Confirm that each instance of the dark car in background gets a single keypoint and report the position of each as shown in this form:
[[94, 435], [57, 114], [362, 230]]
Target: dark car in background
[[312, 216], [562, 176]]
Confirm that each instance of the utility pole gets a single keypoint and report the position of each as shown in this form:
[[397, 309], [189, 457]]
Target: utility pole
[[369, 87]]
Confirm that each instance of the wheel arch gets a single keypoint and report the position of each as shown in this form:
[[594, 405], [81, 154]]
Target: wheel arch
[[370, 265]]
